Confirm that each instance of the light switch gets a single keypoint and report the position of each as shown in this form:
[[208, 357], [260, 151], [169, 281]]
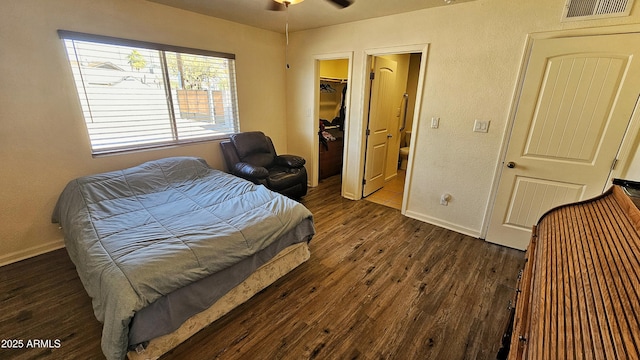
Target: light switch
[[481, 126], [435, 122]]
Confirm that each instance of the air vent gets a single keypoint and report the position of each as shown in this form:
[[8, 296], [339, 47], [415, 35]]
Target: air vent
[[595, 9]]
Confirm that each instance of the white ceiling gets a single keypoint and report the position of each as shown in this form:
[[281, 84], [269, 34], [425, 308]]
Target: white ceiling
[[307, 15]]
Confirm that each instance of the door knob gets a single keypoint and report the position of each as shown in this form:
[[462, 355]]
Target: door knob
[[511, 164]]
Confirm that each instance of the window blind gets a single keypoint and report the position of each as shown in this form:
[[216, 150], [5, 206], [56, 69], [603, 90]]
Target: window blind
[[137, 95]]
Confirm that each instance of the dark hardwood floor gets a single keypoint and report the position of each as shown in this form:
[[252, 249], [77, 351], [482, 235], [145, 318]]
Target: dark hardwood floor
[[378, 286]]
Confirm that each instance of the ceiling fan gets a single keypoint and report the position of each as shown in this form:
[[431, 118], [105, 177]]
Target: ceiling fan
[[278, 5]]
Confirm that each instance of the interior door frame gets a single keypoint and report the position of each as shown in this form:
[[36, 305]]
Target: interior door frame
[[628, 141], [368, 55], [316, 110]]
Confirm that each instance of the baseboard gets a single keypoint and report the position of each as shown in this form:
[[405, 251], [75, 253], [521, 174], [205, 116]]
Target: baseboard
[[349, 196], [443, 224], [30, 252]]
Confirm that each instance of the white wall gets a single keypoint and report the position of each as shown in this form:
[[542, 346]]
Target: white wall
[[43, 143], [475, 52]]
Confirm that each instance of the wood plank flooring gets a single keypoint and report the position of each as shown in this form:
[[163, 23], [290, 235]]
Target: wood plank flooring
[[378, 286]]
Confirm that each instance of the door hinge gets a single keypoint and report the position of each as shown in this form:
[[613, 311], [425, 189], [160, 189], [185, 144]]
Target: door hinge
[[368, 132], [614, 164], [364, 181], [372, 75]]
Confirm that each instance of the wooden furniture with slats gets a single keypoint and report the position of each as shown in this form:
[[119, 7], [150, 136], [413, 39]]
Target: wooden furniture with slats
[[579, 294]]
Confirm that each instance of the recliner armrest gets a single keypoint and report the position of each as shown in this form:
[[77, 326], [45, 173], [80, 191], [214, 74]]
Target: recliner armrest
[[291, 161], [250, 172]]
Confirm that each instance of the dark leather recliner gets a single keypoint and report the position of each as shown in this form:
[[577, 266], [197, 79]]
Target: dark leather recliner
[[251, 155]]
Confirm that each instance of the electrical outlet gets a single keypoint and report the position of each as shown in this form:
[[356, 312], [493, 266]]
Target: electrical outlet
[[444, 199]]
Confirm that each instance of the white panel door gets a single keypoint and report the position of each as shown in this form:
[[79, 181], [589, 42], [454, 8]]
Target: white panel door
[[577, 99], [381, 106]]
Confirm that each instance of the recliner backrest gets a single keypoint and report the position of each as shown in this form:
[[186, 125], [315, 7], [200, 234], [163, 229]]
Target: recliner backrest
[[254, 147]]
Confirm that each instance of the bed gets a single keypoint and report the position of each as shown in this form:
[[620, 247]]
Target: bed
[[168, 246]]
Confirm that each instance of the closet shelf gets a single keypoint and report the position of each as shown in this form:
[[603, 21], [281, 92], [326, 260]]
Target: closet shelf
[[332, 79]]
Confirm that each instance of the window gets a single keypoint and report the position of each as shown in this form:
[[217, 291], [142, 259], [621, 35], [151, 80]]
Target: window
[[137, 95]]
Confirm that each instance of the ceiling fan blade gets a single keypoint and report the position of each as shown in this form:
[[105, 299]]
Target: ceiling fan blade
[[275, 6], [342, 3]]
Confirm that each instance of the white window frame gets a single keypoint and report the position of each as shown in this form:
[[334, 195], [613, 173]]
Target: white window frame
[[174, 129]]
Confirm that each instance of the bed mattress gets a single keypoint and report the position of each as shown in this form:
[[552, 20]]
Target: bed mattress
[[166, 314], [139, 234]]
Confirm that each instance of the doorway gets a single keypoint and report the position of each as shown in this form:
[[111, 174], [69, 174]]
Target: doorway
[[332, 105], [391, 94], [576, 100]]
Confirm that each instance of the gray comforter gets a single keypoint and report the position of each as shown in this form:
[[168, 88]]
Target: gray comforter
[[140, 233]]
